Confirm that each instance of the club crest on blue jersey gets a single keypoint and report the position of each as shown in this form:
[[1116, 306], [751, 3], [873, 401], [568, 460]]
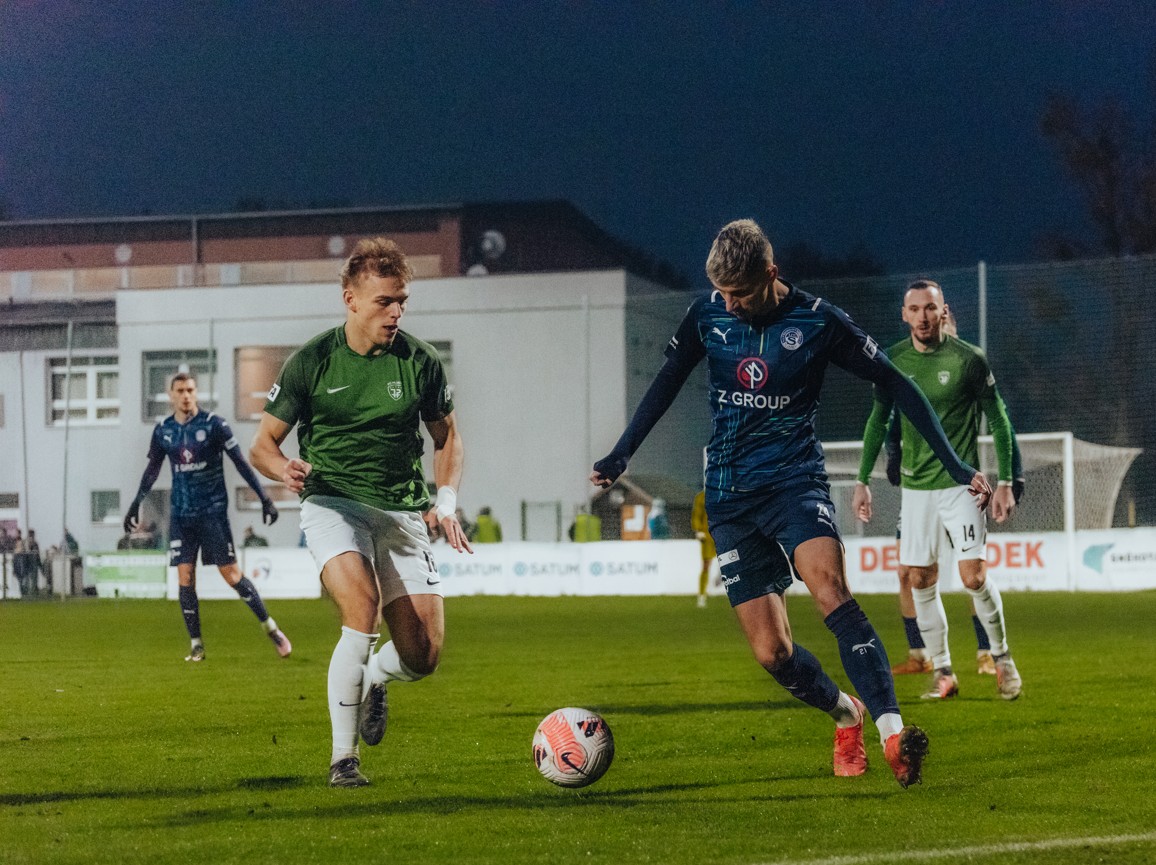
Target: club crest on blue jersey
[[791, 338]]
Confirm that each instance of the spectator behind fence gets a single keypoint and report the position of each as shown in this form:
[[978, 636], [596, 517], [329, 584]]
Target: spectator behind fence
[[26, 562], [252, 539], [657, 521], [487, 530]]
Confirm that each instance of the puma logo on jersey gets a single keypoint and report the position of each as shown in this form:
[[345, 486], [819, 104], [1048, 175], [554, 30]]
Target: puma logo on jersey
[[722, 334], [336, 389]]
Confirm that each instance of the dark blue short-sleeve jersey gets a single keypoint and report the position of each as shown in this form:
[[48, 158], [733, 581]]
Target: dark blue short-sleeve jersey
[[194, 450], [764, 381]]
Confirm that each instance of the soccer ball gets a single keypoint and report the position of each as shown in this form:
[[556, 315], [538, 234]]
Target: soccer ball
[[573, 747]]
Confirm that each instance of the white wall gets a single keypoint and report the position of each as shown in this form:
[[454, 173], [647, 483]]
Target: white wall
[[521, 369], [542, 388], [95, 457]]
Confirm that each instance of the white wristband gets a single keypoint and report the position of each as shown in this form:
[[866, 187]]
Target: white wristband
[[446, 503], [1004, 484]]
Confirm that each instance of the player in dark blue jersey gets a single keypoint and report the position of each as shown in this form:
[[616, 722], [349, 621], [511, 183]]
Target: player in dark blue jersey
[[194, 440], [767, 346]]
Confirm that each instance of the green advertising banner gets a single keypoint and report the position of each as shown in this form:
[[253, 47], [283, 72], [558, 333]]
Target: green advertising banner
[[128, 573]]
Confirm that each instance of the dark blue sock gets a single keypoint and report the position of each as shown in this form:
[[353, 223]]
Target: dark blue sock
[[803, 676], [249, 595], [914, 638], [864, 658], [191, 610], [981, 641]]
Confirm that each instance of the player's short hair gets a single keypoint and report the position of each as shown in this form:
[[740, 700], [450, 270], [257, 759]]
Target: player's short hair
[[181, 376], [923, 284], [739, 256], [377, 256]]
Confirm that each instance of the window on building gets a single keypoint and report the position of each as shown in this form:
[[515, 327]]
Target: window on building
[[157, 367], [256, 368], [88, 390], [106, 506], [9, 501], [283, 497]]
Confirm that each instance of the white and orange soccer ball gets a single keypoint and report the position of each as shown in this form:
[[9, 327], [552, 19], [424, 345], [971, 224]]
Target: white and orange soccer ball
[[573, 747]]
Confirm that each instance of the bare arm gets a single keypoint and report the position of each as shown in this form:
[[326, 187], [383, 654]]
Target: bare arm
[[448, 458], [266, 456]]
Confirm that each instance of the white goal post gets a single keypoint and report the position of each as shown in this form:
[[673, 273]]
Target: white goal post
[[1071, 484]]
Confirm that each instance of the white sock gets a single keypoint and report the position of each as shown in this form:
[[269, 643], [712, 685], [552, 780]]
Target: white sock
[[989, 608], [932, 619], [845, 713], [269, 625], [346, 670], [889, 724], [386, 666]]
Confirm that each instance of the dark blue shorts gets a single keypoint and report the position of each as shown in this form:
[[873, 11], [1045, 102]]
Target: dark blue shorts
[[210, 535], [756, 536]]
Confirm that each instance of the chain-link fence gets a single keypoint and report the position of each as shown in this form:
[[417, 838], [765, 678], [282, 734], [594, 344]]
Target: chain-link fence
[[1072, 344]]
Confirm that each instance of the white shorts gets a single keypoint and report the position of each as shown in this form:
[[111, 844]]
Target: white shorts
[[396, 543], [932, 517]]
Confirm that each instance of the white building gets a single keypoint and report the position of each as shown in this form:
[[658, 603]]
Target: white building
[[546, 367]]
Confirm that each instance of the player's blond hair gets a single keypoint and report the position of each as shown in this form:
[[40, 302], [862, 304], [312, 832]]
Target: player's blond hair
[[377, 256], [739, 256]]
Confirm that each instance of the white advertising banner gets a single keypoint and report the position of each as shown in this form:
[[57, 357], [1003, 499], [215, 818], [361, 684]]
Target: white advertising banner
[[1111, 560], [1038, 562], [277, 572], [605, 568], [1115, 560]]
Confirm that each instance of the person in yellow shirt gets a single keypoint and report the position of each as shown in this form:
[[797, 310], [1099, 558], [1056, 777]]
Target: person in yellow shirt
[[701, 529]]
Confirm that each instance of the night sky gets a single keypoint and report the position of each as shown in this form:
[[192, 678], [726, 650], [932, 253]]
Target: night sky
[[908, 128]]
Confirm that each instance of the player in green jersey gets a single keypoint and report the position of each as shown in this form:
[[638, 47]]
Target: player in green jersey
[[358, 394], [958, 382]]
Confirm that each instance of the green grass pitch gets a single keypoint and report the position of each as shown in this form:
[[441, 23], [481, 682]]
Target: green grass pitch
[[113, 749]]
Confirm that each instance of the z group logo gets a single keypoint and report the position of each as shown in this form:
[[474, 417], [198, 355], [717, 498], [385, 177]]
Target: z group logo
[[752, 373]]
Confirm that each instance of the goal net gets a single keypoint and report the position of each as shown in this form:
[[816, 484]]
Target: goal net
[[1070, 484]]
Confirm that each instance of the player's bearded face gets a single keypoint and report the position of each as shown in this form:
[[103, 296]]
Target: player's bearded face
[[746, 304], [923, 312]]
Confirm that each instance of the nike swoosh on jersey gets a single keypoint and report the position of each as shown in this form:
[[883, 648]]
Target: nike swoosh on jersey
[[336, 389]]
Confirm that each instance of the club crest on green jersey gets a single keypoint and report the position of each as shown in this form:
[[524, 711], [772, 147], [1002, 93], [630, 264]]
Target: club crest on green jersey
[[394, 389], [944, 376]]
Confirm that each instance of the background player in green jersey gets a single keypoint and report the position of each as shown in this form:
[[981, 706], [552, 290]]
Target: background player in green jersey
[[958, 382], [358, 394], [918, 660]]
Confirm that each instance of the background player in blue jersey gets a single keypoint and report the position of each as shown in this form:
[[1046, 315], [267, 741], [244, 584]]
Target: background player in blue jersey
[[194, 440], [767, 346]]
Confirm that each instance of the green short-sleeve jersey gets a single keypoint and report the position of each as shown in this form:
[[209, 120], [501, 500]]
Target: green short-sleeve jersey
[[359, 418], [959, 384]]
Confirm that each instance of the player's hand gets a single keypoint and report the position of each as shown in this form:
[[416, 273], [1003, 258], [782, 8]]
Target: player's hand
[[132, 517], [607, 470], [1003, 503], [861, 502], [449, 527], [268, 512], [981, 489], [294, 474]]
